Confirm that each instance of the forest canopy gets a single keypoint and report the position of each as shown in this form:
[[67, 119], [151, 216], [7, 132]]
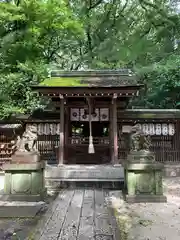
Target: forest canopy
[[38, 35]]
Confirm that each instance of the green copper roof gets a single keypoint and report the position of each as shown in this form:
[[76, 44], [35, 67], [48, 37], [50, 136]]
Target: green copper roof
[[90, 79]]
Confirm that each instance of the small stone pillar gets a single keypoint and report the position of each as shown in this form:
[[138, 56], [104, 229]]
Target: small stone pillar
[[24, 176], [143, 175]]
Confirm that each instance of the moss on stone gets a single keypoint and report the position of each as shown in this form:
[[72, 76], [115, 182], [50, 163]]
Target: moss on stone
[[145, 223], [63, 82], [124, 224]]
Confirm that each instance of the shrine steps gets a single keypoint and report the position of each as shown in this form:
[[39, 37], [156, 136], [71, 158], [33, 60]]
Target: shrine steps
[[106, 176]]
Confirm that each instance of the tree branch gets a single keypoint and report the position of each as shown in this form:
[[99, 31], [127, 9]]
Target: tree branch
[[116, 17], [145, 33], [125, 5], [145, 3], [88, 30], [91, 6], [105, 19]]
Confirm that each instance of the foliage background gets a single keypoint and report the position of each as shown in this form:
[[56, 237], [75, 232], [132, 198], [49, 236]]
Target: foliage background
[[37, 35]]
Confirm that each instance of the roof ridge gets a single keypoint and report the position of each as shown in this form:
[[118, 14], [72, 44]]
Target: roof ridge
[[88, 73]]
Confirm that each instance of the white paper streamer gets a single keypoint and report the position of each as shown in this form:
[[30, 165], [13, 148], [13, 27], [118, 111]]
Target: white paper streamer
[[145, 128], [158, 129], [171, 129]]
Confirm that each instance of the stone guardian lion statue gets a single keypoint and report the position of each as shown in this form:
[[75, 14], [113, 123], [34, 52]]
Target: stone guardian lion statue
[[27, 143], [139, 141]]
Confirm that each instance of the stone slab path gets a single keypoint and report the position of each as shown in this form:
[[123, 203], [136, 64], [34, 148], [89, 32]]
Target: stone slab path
[[80, 214]]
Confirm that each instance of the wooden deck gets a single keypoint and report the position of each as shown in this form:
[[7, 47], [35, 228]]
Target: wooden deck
[[80, 214]]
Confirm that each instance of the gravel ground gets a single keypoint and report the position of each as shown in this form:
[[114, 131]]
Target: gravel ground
[[157, 221]]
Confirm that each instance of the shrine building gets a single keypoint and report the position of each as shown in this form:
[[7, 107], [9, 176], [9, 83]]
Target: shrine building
[[87, 102], [84, 131]]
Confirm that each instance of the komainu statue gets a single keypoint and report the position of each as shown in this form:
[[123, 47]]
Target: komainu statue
[[139, 141], [27, 143]]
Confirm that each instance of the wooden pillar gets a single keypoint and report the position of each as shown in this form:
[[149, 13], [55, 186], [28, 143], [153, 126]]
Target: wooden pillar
[[66, 134], [61, 137], [111, 145], [114, 130]]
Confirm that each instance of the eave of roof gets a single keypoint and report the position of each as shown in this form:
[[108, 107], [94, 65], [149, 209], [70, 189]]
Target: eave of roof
[[38, 87], [150, 114]]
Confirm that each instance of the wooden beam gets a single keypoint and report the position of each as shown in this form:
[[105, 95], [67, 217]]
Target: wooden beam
[[61, 137], [89, 95]]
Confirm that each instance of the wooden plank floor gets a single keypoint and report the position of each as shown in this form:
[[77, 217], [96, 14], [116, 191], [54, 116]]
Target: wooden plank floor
[[79, 214]]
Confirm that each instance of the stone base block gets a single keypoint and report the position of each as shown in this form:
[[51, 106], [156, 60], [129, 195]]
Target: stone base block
[[144, 178], [20, 209], [143, 157], [24, 197], [24, 182], [26, 157], [146, 198], [88, 173]]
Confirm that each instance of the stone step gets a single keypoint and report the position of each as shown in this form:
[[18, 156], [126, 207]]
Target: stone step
[[77, 176], [16, 209], [88, 173], [53, 186]]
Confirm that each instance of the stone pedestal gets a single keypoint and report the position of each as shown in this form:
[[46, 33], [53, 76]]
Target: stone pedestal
[[25, 157], [143, 177], [24, 180]]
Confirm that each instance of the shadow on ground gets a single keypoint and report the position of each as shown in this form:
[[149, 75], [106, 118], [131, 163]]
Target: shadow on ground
[[22, 228]]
